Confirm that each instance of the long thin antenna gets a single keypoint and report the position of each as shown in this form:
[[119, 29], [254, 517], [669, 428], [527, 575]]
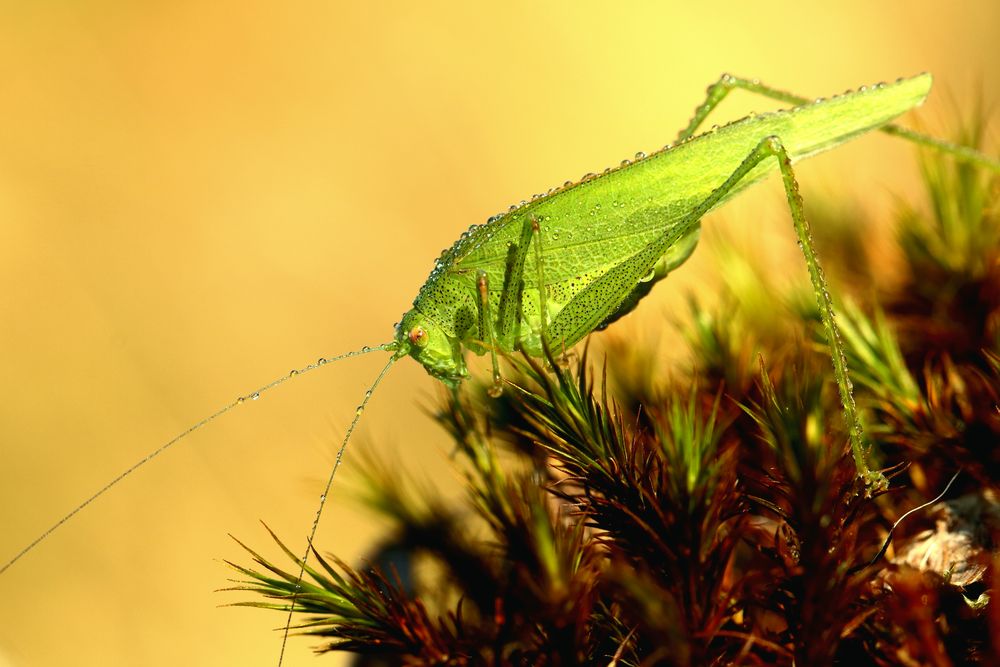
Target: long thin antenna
[[322, 502], [252, 396]]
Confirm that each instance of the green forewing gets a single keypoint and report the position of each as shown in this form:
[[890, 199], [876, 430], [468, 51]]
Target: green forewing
[[605, 232]]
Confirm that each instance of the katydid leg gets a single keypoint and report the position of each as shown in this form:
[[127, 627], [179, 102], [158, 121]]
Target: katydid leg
[[726, 83], [721, 88], [486, 327], [772, 147], [540, 271], [509, 310], [504, 330], [574, 315]]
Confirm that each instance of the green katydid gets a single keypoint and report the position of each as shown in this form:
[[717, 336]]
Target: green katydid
[[551, 271]]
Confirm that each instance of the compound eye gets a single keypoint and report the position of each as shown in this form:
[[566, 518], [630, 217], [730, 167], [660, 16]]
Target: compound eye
[[419, 336]]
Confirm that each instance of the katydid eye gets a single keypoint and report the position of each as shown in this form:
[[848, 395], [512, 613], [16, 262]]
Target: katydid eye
[[419, 336]]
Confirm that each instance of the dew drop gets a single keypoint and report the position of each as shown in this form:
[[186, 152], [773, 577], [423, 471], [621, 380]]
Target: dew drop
[[640, 155], [321, 361], [292, 373], [254, 396]]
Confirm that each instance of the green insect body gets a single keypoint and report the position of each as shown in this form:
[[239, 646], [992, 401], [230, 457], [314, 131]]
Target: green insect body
[[607, 239]]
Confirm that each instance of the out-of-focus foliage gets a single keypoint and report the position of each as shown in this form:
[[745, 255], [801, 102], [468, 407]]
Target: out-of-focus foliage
[[646, 516]]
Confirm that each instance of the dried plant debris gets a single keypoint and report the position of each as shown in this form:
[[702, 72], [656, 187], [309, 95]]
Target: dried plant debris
[[959, 545]]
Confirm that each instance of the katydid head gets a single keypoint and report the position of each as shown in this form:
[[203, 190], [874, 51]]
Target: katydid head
[[422, 338]]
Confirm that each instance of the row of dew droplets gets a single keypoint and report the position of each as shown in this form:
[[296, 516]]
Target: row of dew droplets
[[240, 400], [329, 484], [827, 315], [589, 176], [726, 81], [322, 361]]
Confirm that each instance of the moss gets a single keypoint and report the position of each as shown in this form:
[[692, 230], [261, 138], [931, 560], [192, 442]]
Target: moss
[[626, 519]]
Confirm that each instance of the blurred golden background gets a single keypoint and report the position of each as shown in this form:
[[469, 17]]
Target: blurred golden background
[[196, 197]]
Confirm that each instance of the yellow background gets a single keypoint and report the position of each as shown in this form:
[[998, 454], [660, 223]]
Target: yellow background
[[197, 196]]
